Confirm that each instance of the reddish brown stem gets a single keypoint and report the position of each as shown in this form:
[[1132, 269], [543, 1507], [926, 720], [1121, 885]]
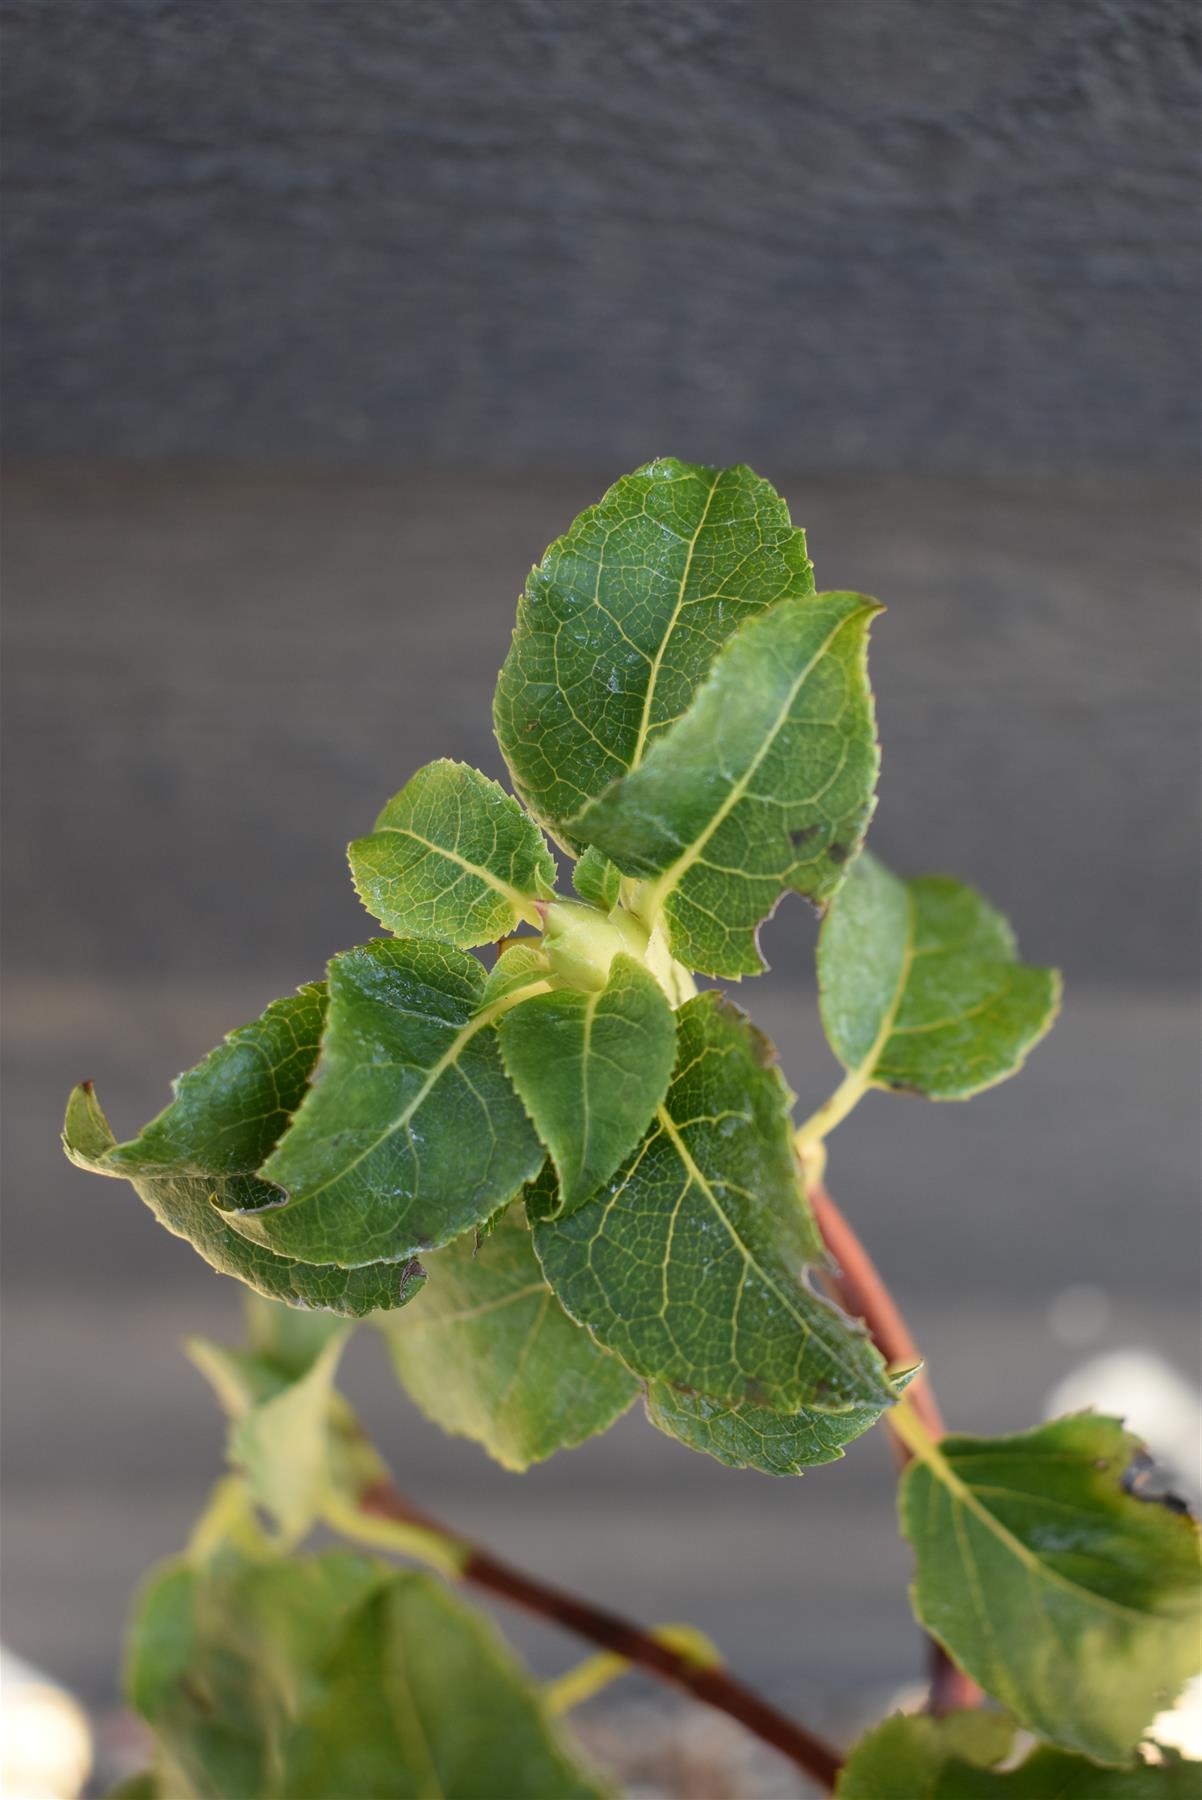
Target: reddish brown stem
[[858, 1285], [715, 1687]]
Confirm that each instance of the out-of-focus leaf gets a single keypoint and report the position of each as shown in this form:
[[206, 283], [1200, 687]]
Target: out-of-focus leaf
[[279, 1439], [623, 618], [764, 785], [915, 1757], [591, 1069], [920, 988], [689, 1263], [293, 1437], [1072, 1601], [491, 1354], [139, 1787], [305, 1679], [411, 1132], [452, 857]]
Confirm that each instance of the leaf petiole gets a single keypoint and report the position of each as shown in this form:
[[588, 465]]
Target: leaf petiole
[[846, 1097], [905, 1421], [595, 1673], [400, 1536]]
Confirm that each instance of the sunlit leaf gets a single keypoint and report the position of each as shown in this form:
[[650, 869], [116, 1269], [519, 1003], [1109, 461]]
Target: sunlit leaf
[[1074, 1602], [453, 857], [920, 988], [623, 617], [764, 785]]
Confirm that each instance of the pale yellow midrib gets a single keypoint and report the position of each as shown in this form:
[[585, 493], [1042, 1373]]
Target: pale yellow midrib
[[657, 661], [516, 898], [657, 891], [857, 1081], [941, 1470], [668, 1124], [449, 1056]]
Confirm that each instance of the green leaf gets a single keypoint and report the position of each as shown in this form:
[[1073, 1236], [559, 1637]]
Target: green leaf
[[453, 857], [289, 1340], [1072, 1601], [765, 784], [233, 1107], [754, 1437], [410, 1133], [199, 1157], [524, 964], [280, 1431], [688, 1264], [301, 1679], [491, 1355], [591, 1069], [597, 880], [920, 988], [916, 1757], [913, 1756], [622, 619]]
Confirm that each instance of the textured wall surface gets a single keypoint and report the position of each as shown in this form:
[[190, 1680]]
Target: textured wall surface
[[493, 228]]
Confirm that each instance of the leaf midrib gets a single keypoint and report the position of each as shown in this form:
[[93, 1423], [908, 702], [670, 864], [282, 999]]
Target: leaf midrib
[[941, 1470], [657, 891], [665, 638], [462, 1038], [668, 1125], [515, 897]]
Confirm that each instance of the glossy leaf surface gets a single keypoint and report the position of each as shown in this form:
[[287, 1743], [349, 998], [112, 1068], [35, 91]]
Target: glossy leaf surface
[[765, 785], [301, 1679], [623, 617], [920, 988], [452, 857], [689, 1262], [411, 1132], [200, 1156], [1074, 1603], [915, 1757], [591, 1068], [491, 1354]]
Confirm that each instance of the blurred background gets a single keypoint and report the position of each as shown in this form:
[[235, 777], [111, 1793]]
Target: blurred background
[[321, 322]]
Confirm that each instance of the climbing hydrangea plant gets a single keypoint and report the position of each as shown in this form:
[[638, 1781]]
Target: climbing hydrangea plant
[[559, 1178]]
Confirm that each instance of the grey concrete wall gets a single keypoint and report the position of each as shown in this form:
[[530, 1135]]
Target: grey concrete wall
[[475, 230]]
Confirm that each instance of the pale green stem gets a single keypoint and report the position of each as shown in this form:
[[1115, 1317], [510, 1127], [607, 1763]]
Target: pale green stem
[[596, 1672], [904, 1421], [433, 1548], [846, 1097]]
